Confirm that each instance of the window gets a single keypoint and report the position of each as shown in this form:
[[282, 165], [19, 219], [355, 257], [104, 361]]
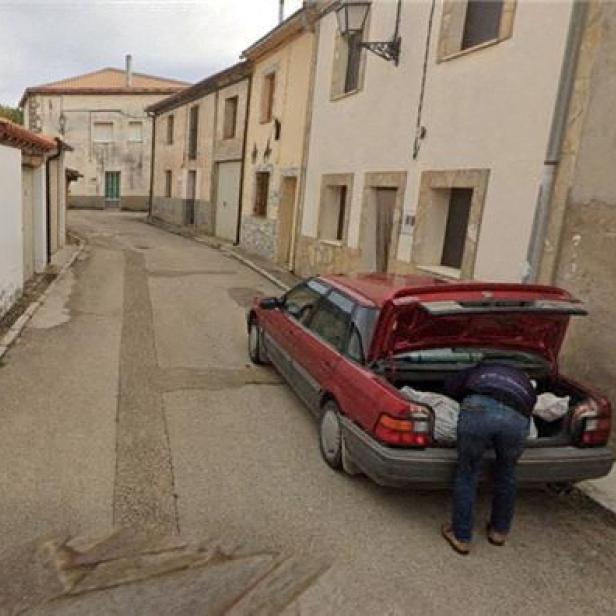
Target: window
[[348, 65], [456, 227], [193, 132], [103, 132], [353, 62], [333, 213], [450, 203], [261, 193], [363, 323], [230, 120], [301, 301], [135, 131], [170, 129], [467, 24], [168, 183], [482, 22], [331, 318], [267, 97]]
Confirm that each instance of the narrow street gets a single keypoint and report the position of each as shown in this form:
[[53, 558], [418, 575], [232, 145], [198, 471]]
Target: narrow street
[[130, 401]]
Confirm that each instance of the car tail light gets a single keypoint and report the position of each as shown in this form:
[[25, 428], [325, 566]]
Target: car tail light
[[412, 431], [591, 423]]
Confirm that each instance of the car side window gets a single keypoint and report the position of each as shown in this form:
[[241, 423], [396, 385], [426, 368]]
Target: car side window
[[300, 301], [331, 319], [360, 336]]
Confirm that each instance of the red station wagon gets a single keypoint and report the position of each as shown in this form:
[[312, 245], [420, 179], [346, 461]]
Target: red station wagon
[[348, 344]]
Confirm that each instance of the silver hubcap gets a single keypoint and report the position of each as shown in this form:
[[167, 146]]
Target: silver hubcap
[[330, 434], [254, 340]]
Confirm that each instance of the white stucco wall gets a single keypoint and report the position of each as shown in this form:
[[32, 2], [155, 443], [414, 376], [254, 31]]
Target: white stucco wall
[[488, 109], [11, 239]]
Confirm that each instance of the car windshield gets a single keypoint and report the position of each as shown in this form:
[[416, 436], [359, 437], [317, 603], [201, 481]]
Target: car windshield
[[469, 356]]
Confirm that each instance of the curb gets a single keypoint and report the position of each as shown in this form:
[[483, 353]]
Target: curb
[[222, 247], [255, 267], [17, 328]]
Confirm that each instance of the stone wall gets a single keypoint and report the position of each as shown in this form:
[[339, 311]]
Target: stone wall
[[320, 257], [173, 211], [258, 236], [581, 240]]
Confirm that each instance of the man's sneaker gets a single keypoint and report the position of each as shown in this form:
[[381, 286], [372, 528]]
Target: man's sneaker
[[461, 547], [494, 537]]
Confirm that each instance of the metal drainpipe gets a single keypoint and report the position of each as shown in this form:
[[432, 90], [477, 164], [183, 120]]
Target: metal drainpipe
[[153, 117], [557, 132], [48, 196]]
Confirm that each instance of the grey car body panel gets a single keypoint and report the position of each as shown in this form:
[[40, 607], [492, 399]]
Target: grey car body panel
[[435, 466]]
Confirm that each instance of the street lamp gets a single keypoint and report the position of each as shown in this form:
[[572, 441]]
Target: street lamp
[[352, 18]]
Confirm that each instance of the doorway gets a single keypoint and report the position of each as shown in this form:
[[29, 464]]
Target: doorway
[[286, 217], [228, 200], [112, 189], [378, 228], [191, 194]]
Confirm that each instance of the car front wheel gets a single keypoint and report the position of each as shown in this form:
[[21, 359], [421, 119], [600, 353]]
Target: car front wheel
[[255, 344], [330, 436]]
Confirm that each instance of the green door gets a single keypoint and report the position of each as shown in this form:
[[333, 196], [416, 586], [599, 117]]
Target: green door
[[112, 185]]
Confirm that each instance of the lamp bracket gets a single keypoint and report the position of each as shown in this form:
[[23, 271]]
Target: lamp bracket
[[389, 50]]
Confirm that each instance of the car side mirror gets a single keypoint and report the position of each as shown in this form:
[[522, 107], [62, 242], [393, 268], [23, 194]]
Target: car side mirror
[[269, 303]]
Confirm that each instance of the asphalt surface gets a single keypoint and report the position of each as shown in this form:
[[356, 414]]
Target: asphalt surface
[[130, 401]]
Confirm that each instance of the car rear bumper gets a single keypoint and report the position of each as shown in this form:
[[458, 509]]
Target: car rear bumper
[[388, 466]]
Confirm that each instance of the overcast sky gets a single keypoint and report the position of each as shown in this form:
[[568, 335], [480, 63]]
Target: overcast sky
[[47, 40]]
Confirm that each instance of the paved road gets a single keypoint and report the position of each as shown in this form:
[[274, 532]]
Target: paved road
[[130, 401]]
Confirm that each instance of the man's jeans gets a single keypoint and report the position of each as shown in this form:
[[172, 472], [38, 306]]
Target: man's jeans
[[486, 423]]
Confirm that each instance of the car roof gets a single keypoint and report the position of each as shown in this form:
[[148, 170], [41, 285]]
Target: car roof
[[377, 289]]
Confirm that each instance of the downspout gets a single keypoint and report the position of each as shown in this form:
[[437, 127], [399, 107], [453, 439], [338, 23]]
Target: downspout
[[153, 116], [238, 232], [48, 197], [557, 131]]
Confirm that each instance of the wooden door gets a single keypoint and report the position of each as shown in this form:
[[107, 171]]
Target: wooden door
[[286, 217], [112, 188], [385, 202], [228, 200]]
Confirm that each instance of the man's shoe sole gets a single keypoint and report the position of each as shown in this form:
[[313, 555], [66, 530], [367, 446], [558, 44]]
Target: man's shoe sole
[[448, 535]]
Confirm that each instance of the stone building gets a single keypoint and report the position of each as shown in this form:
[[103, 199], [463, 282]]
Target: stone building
[[102, 114], [32, 206], [277, 126], [198, 153], [576, 239], [430, 164]]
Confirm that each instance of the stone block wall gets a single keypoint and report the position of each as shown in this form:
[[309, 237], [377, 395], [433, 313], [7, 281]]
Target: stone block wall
[[258, 236]]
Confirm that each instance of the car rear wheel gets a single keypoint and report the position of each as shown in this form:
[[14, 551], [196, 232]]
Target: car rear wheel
[[330, 436], [255, 344]]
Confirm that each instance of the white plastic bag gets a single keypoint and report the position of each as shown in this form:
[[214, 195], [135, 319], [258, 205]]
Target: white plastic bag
[[550, 407], [446, 412]]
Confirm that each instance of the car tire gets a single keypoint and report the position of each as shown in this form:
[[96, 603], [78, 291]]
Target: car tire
[[255, 344], [330, 436]]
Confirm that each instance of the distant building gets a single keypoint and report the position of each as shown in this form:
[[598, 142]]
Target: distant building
[[102, 114], [32, 206], [198, 153]]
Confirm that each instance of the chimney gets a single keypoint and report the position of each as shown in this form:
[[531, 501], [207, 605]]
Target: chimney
[[129, 71], [281, 11]]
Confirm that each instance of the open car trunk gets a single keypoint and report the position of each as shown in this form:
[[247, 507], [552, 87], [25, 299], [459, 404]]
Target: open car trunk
[[425, 335], [549, 433]]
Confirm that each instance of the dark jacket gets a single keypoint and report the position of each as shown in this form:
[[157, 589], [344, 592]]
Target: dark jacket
[[498, 381]]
